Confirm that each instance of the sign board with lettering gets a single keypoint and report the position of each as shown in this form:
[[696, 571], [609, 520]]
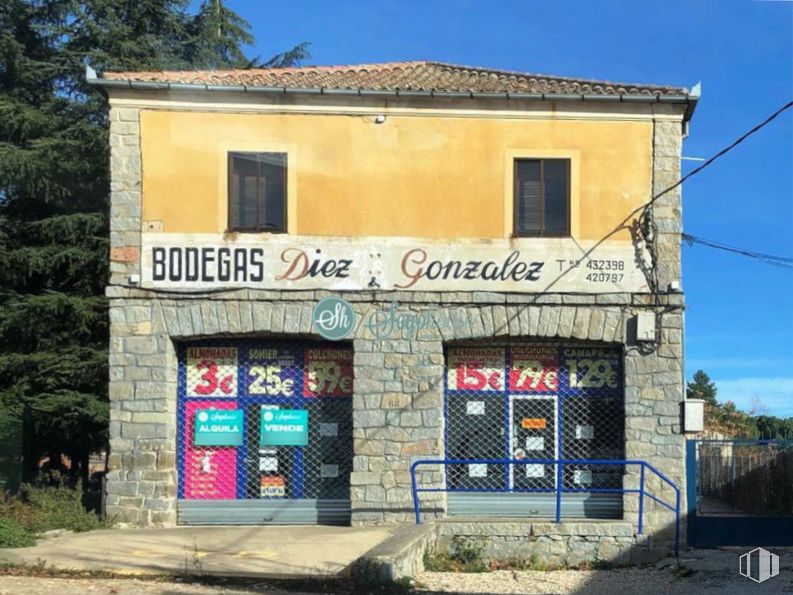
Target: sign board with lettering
[[533, 423], [328, 372], [479, 369], [214, 427], [284, 427], [533, 368], [216, 261], [212, 372], [272, 486], [209, 472]]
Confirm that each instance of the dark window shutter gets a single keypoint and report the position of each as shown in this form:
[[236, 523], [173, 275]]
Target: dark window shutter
[[542, 197], [529, 196], [257, 191]]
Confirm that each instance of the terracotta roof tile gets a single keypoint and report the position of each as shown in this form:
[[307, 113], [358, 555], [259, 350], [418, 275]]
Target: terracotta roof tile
[[399, 76]]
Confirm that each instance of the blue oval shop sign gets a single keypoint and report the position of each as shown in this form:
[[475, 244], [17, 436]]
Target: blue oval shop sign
[[334, 318]]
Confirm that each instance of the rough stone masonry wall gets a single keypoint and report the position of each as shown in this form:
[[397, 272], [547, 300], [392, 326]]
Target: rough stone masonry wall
[[125, 194], [570, 543], [398, 400]]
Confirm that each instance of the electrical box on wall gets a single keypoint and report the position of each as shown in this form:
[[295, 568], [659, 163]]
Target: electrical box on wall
[[693, 415], [645, 326]]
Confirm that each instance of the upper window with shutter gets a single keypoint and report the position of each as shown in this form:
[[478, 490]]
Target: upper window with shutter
[[257, 192], [542, 197]]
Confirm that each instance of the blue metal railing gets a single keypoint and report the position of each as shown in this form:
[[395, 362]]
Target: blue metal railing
[[559, 489]]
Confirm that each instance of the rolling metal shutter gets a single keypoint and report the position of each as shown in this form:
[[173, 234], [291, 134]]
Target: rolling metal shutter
[[534, 401], [264, 432]]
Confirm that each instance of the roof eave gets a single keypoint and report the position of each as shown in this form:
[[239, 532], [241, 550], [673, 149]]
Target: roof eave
[[690, 99]]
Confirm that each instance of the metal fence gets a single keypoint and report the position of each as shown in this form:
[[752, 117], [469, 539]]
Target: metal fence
[[535, 401], [231, 392], [12, 448], [744, 477], [558, 465]]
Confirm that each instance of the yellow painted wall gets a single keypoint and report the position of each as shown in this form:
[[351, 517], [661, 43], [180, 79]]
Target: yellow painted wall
[[434, 177]]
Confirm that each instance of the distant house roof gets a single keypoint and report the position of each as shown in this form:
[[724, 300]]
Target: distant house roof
[[399, 78]]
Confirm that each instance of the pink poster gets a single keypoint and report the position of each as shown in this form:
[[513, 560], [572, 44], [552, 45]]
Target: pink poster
[[210, 471]]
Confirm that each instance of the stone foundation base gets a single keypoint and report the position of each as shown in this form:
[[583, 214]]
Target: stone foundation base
[[571, 544], [567, 544]]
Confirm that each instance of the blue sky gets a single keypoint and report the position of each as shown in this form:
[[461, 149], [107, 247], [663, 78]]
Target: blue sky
[[739, 317]]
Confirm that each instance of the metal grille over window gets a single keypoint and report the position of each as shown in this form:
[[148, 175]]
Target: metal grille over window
[[264, 420], [535, 402]]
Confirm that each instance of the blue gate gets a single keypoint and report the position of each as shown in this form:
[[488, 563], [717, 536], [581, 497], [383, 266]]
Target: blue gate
[[740, 492]]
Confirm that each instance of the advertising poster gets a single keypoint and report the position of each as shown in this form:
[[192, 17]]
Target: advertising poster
[[272, 372], [284, 427], [593, 369], [478, 369], [210, 472], [534, 369], [272, 486], [212, 371], [328, 373], [217, 427]]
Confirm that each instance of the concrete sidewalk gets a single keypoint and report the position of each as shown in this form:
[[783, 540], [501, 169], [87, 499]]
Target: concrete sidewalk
[[270, 551]]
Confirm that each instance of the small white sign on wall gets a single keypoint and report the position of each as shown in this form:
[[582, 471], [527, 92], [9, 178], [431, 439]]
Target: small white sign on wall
[[475, 407], [584, 432], [582, 477], [535, 470], [535, 443], [477, 470], [268, 464]]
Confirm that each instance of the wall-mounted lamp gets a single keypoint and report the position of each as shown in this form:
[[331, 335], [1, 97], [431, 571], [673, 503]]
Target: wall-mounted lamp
[[379, 118]]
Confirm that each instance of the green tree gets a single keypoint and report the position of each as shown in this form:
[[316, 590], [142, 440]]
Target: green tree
[[771, 427], [54, 188], [702, 387], [216, 34]]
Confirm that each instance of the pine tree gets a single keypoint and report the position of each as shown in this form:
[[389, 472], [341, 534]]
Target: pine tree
[[54, 188], [702, 387], [215, 36]]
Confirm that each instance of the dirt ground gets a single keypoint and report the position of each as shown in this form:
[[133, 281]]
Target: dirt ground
[[598, 582], [26, 585], [585, 582], [701, 572]]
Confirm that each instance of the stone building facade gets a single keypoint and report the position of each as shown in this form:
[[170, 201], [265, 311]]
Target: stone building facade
[[398, 411]]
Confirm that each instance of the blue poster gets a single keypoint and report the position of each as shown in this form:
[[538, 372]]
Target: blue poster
[[284, 427], [218, 427]]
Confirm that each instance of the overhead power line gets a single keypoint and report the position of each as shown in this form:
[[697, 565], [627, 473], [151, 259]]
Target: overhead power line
[[721, 153], [781, 261], [643, 208]]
